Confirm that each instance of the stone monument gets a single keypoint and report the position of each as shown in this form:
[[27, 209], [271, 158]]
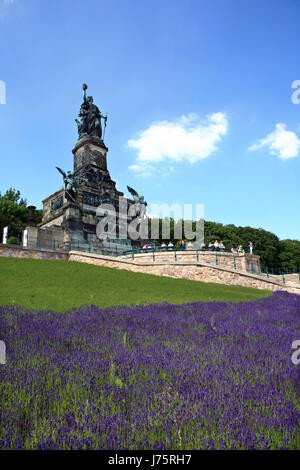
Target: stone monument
[[70, 213]]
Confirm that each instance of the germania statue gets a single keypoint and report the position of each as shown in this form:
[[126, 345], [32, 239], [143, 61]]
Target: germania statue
[[90, 117]]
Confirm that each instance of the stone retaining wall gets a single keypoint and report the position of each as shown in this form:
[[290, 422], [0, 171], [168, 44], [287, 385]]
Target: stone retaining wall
[[196, 271], [242, 262], [14, 251]]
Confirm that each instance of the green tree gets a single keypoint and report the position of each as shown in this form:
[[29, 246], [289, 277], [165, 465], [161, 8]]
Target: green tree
[[13, 212], [14, 195], [38, 215], [289, 255]]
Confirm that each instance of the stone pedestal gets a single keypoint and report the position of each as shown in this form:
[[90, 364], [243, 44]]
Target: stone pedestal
[[79, 219]]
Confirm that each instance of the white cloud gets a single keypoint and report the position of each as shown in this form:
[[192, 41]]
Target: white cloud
[[143, 170], [174, 141], [281, 142]]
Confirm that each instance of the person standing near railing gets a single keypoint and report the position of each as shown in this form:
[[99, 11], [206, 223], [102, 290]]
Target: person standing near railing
[[216, 245], [221, 246], [170, 245], [251, 248]]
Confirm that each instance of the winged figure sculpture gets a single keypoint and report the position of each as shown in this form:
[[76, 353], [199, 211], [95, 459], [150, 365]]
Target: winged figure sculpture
[[139, 201], [71, 180], [138, 198]]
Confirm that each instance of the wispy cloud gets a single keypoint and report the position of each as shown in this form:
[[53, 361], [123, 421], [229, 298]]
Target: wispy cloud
[[281, 142], [173, 141]]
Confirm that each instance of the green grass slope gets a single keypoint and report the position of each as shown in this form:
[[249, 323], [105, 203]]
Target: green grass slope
[[61, 285]]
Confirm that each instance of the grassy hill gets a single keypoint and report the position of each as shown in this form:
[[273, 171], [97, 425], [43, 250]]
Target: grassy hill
[[61, 285]]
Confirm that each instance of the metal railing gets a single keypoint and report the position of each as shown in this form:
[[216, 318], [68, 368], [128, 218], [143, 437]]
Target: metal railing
[[185, 249], [282, 273], [215, 259], [77, 245]]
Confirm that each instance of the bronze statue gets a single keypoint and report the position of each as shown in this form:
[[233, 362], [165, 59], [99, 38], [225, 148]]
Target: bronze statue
[[139, 202], [138, 198], [71, 180], [90, 117]]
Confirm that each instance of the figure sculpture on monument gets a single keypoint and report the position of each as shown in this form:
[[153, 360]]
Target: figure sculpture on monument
[[71, 180], [139, 201], [90, 117], [138, 198]]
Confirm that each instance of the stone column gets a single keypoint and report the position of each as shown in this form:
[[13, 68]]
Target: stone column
[[31, 221], [33, 233], [243, 262]]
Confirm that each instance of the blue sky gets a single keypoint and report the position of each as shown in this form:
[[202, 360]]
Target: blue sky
[[198, 96]]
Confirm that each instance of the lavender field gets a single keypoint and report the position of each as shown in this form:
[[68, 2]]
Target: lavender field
[[210, 375]]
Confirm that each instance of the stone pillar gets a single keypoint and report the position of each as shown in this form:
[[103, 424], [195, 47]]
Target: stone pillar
[[72, 224], [33, 233], [31, 221], [253, 260], [243, 262]]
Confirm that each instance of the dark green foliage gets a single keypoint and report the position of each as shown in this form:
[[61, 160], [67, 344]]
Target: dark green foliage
[[12, 241], [289, 255], [14, 196], [38, 215], [13, 213]]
